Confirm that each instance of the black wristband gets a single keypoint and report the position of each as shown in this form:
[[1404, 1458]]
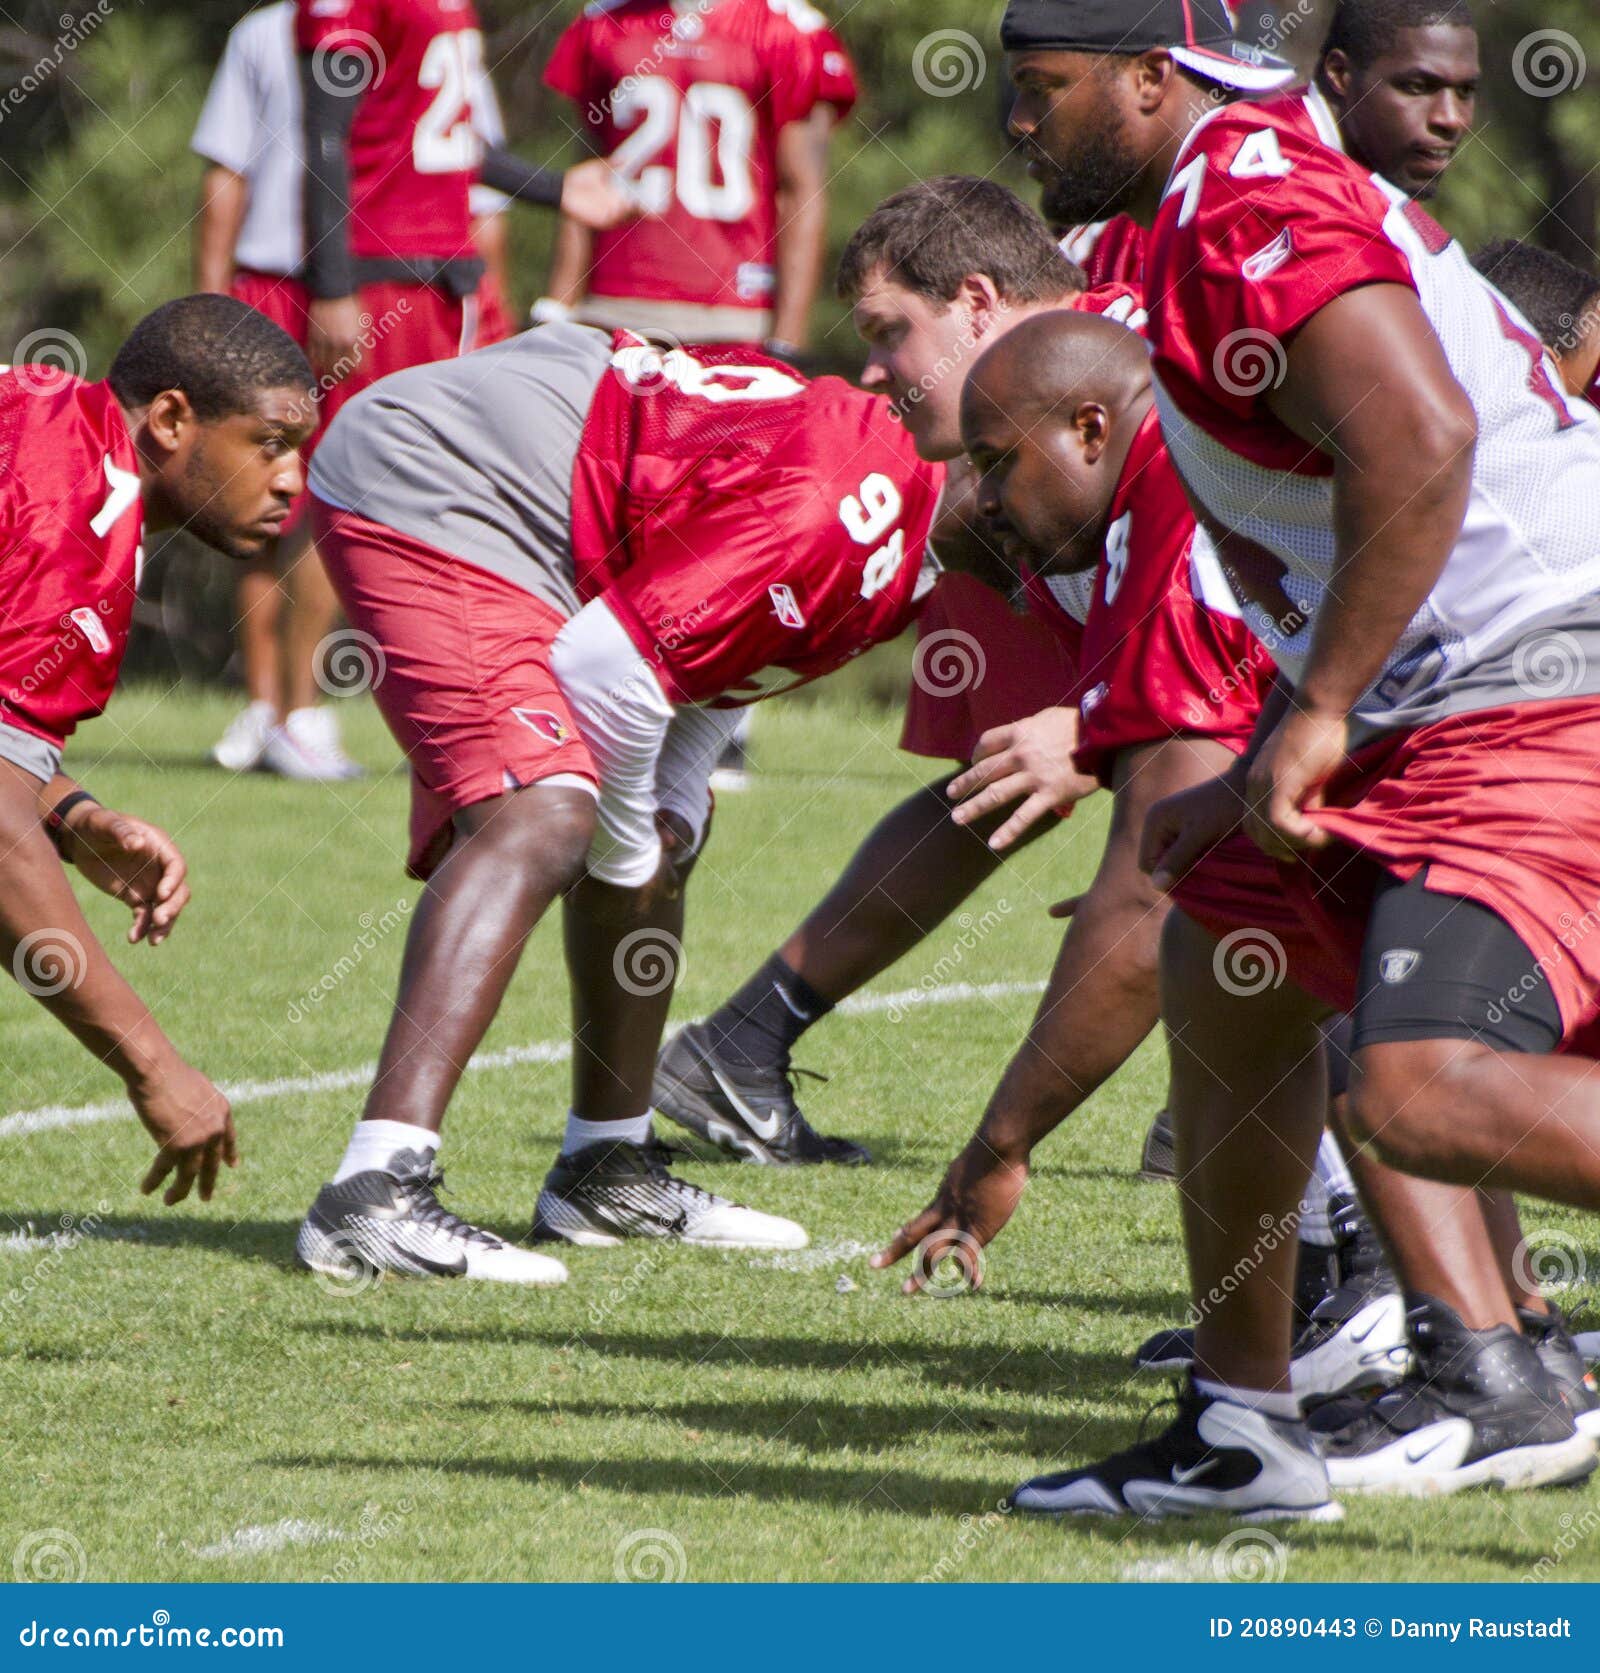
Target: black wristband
[[55, 821]]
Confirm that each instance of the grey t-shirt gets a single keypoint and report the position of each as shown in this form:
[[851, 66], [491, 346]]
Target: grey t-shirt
[[475, 455]]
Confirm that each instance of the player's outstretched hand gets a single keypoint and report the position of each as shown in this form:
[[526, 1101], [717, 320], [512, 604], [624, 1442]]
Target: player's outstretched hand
[[1180, 829], [134, 862], [594, 194], [1301, 753], [193, 1128], [333, 336], [1028, 761], [978, 1194]]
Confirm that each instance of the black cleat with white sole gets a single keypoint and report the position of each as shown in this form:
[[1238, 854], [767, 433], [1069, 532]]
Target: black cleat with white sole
[[604, 1193], [1216, 1456], [1479, 1410], [391, 1220], [748, 1112]]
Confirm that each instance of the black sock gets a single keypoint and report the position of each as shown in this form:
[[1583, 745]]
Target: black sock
[[761, 1022]]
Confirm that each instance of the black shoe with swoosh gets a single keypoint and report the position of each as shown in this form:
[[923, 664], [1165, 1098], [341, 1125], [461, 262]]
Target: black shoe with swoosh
[[748, 1112], [1215, 1456], [1479, 1410]]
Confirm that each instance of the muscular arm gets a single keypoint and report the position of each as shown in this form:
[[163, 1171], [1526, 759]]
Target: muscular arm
[[802, 223], [1100, 1003], [224, 197], [1368, 383]]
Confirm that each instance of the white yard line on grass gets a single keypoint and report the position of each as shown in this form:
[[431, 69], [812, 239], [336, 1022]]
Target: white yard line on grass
[[239, 1093]]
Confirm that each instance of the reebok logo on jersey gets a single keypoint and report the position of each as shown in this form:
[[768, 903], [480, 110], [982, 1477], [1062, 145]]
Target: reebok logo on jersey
[[92, 628], [785, 606], [552, 728], [1270, 258], [1093, 698], [1396, 965]]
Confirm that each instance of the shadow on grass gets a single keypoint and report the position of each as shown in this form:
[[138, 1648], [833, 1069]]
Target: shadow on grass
[[270, 1242], [996, 1366], [832, 1425]]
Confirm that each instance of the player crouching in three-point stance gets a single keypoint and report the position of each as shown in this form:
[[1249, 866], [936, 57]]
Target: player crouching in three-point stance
[[1397, 490], [197, 427], [580, 557]]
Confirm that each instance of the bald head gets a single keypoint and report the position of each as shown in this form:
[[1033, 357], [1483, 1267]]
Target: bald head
[[1047, 366], [1047, 416]]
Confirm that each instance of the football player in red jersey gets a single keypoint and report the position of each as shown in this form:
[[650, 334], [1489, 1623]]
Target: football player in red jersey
[[1059, 419], [580, 556], [718, 113], [1263, 233], [934, 273], [197, 426], [391, 152]]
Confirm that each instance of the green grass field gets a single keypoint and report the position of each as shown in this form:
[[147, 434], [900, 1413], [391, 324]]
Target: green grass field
[[183, 1404]]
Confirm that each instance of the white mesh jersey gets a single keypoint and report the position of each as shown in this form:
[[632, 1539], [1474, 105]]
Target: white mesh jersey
[[1263, 224]]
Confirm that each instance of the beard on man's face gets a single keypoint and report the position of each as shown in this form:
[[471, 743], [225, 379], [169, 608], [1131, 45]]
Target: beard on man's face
[[1101, 178]]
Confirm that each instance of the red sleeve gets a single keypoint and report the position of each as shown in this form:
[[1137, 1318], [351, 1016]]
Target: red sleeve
[[836, 82], [1262, 226], [713, 599], [793, 62], [351, 24], [570, 70]]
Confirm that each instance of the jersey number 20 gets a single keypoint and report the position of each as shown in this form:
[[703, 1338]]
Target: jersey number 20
[[714, 128]]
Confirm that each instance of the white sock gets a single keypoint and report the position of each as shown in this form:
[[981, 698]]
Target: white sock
[[580, 1133], [1274, 1405], [374, 1142], [1329, 1176]]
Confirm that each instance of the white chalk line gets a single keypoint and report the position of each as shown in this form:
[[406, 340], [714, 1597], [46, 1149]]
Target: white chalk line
[[52, 1117]]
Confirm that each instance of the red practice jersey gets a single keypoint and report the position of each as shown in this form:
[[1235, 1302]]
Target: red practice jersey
[[413, 149], [836, 79], [1264, 223], [70, 525], [688, 105], [751, 530], [1109, 252], [1164, 652]]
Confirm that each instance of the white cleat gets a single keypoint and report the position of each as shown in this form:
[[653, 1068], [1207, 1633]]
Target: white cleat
[[307, 747], [607, 1192], [390, 1220], [241, 747]]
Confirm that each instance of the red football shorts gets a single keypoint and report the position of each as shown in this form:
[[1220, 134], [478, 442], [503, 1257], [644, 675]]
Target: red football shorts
[[1502, 806], [1018, 668], [460, 669]]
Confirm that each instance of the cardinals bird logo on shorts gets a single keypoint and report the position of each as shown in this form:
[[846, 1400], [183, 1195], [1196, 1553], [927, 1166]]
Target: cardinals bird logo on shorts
[[1397, 964], [550, 727]]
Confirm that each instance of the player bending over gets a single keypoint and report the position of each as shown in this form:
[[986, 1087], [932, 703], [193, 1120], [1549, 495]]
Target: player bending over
[[1408, 645], [579, 558], [196, 427], [935, 274]]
